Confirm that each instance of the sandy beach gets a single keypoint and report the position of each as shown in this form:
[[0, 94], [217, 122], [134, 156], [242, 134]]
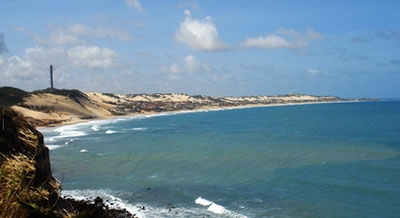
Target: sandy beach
[[72, 106]]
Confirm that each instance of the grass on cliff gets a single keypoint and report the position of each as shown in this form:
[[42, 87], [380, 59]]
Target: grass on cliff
[[17, 197]]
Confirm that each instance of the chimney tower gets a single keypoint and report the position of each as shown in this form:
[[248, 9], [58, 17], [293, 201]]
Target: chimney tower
[[51, 77]]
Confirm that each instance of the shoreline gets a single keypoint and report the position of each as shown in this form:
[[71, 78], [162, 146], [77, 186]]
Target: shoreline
[[199, 110], [50, 108], [320, 109]]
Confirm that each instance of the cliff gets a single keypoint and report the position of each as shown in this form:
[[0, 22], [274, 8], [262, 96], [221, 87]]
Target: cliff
[[27, 187], [26, 179]]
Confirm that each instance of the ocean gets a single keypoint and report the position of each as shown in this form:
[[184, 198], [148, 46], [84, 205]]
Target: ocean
[[313, 160]]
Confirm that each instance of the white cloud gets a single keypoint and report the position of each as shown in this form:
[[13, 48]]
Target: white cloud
[[92, 56], [26, 70], [72, 35], [284, 38], [135, 4], [84, 30], [174, 68], [312, 72], [192, 65], [30, 70], [200, 35], [57, 38], [32, 64], [188, 64], [65, 48], [15, 67]]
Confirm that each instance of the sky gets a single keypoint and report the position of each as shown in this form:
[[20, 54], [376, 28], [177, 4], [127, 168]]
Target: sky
[[218, 48]]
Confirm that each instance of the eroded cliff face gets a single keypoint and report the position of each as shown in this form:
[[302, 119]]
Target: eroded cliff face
[[27, 187], [18, 137], [26, 183]]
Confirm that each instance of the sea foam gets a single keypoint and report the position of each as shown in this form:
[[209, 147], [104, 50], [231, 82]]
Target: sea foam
[[95, 128], [140, 129], [144, 210], [53, 147], [217, 209], [140, 210], [110, 131], [67, 132], [203, 202]]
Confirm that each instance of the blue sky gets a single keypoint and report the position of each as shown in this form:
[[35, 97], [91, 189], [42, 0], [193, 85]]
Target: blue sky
[[220, 48]]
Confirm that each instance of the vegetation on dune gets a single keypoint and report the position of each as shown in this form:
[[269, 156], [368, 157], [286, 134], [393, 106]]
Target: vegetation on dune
[[11, 96], [73, 94]]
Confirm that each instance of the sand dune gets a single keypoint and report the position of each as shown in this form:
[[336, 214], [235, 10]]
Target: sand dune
[[51, 109], [71, 106]]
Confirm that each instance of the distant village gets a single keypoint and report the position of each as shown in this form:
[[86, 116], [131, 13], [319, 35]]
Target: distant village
[[167, 103]]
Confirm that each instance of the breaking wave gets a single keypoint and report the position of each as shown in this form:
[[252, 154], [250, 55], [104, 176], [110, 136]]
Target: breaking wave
[[145, 210]]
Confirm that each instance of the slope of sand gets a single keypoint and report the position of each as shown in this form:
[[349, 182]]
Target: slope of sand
[[57, 109]]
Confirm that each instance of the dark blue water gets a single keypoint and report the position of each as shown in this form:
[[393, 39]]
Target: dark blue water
[[321, 160]]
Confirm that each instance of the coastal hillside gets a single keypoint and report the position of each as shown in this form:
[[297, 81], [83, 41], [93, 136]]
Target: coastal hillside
[[60, 106]]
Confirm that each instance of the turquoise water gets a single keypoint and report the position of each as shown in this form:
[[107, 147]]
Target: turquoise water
[[320, 160]]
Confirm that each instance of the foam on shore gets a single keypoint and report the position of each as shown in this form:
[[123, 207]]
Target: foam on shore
[[144, 210], [218, 209]]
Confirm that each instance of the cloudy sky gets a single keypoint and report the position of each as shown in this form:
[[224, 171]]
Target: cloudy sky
[[222, 48]]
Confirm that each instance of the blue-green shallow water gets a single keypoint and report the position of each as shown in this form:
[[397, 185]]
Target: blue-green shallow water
[[321, 160]]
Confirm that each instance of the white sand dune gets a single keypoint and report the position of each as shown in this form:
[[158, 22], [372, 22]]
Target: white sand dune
[[56, 109]]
